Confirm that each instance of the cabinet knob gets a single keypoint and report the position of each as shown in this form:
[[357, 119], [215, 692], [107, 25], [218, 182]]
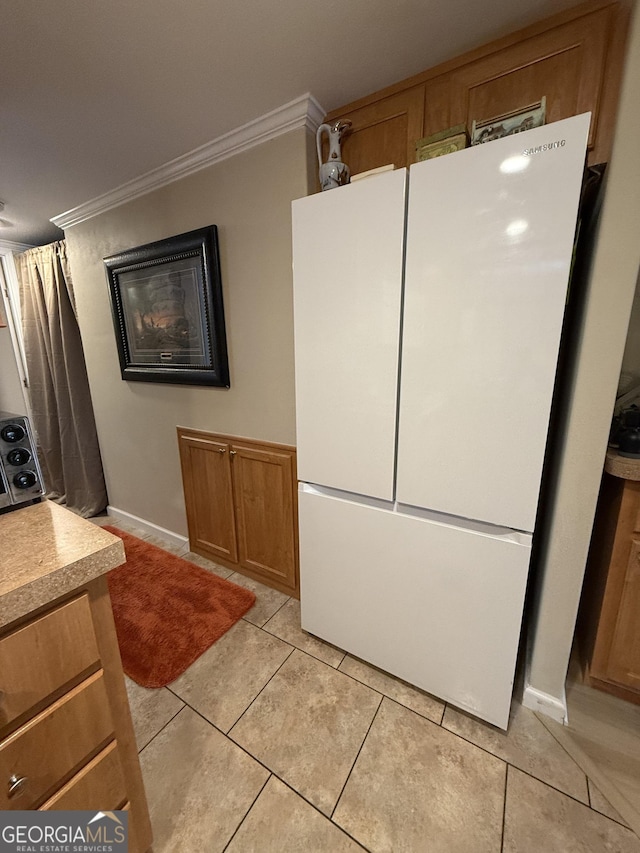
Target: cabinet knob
[[232, 452], [16, 785], [222, 450]]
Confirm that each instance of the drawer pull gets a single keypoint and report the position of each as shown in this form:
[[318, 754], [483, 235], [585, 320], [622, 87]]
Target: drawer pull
[[16, 785]]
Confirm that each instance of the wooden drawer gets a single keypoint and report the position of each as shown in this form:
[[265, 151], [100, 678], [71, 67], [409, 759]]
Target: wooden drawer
[[44, 655], [99, 785], [53, 745]]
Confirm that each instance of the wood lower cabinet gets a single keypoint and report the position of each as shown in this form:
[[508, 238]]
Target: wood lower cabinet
[[100, 781], [609, 620], [66, 736], [573, 59], [241, 503], [208, 492]]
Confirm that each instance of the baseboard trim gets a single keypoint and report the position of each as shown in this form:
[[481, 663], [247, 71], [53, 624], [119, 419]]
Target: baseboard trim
[[148, 526], [544, 703]]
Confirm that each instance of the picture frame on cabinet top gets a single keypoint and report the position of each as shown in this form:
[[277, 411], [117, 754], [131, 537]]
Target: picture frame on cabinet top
[[509, 123]]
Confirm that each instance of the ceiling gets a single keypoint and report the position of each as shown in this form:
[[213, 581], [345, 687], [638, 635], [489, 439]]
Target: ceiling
[[98, 92]]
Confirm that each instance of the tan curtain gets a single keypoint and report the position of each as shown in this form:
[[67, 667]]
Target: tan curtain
[[58, 385]]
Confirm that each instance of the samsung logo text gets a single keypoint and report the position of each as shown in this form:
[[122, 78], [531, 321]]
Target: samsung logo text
[[548, 146]]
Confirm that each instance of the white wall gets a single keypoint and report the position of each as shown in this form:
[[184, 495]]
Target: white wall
[[11, 398], [610, 295], [12, 393], [248, 197], [630, 375]]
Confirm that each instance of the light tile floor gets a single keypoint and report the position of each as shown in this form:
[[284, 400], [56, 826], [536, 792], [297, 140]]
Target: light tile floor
[[274, 741]]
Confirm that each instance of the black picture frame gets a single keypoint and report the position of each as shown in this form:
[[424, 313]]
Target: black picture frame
[[166, 302]]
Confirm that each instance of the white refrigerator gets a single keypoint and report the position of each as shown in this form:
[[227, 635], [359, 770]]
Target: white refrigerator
[[428, 311]]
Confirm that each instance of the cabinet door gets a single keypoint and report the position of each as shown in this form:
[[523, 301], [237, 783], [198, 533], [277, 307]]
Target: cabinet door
[[208, 493], [264, 483], [565, 64], [624, 657], [383, 132]]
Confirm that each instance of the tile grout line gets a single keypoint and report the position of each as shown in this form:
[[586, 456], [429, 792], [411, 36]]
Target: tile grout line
[[263, 765], [575, 800], [526, 772], [222, 731], [163, 727], [233, 742], [246, 814], [563, 793], [392, 699], [268, 769], [566, 751], [586, 775], [320, 812], [259, 693], [274, 614], [504, 807], [333, 811], [311, 654], [374, 689]]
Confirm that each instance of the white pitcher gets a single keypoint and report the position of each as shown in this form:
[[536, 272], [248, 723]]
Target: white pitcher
[[333, 173]]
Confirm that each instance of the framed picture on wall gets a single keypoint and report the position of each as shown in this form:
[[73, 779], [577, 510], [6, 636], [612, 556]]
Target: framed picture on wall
[[166, 301]]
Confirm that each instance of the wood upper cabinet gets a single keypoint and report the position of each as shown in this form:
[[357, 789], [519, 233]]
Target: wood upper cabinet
[[241, 503], [573, 59], [610, 608], [385, 131]]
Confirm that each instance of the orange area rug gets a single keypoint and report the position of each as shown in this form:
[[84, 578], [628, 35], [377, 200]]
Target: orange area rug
[[168, 611]]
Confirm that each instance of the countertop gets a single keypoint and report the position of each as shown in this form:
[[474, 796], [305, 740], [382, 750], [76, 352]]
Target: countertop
[[47, 551], [621, 466]]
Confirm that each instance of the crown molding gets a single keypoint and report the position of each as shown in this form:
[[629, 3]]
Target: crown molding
[[8, 247], [304, 111]]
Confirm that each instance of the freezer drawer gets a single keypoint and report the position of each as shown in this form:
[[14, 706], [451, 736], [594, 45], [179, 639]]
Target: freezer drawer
[[435, 605]]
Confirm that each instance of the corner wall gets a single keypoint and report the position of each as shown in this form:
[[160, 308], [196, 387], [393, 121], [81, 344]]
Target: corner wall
[[602, 340], [248, 197]]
